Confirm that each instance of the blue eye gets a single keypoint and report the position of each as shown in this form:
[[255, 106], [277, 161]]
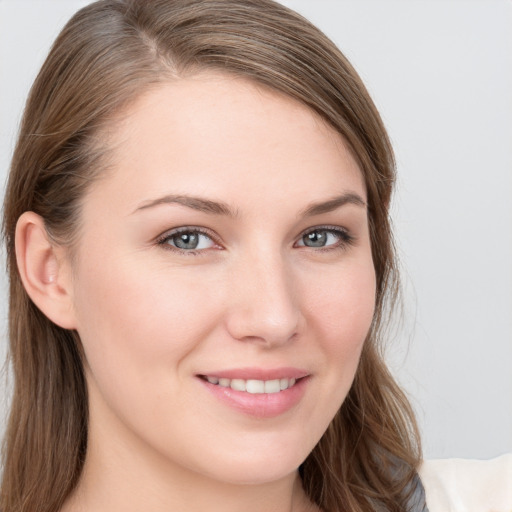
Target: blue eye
[[325, 238], [187, 240]]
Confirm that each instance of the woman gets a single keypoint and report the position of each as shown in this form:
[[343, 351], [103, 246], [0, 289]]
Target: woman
[[200, 261]]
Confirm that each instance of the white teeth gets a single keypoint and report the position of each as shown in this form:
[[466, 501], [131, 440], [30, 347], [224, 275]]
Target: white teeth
[[253, 386], [272, 386], [238, 385]]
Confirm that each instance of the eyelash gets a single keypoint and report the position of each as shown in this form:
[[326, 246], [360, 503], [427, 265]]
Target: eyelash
[[345, 238], [163, 239], [345, 241]]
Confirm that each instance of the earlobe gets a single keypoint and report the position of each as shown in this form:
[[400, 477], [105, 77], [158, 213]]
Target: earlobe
[[44, 272]]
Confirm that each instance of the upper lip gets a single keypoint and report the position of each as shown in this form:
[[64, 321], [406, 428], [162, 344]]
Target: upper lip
[[258, 373]]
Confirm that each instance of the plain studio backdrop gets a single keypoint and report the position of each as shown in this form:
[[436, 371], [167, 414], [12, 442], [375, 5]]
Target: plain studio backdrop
[[440, 73]]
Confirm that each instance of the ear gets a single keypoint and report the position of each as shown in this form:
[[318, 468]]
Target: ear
[[44, 270]]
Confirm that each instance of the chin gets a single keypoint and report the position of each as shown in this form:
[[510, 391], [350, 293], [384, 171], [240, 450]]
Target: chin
[[260, 462], [254, 473]]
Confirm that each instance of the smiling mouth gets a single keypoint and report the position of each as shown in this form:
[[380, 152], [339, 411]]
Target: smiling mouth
[[253, 386]]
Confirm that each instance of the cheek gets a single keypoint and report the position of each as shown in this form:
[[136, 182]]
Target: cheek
[[342, 305], [340, 314], [136, 324]]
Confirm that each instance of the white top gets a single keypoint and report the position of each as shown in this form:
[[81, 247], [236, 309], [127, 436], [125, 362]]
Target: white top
[[460, 485]]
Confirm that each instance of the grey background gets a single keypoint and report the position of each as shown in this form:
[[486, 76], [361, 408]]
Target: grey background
[[441, 74]]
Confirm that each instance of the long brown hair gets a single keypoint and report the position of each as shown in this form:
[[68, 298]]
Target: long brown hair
[[106, 55]]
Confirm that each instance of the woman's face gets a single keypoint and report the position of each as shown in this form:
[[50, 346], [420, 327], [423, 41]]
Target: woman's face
[[224, 284]]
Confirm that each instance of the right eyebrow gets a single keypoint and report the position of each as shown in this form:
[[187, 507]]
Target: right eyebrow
[[333, 204], [196, 203]]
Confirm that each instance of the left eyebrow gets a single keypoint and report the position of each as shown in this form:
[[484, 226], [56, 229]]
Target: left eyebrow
[[333, 204], [195, 203]]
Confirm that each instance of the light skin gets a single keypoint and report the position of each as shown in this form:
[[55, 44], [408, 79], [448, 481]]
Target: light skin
[[281, 277]]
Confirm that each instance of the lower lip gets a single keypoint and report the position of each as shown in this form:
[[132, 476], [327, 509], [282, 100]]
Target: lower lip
[[260, 405]]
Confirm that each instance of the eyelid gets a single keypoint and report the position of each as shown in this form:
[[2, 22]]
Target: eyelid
[[166, 235], [346, 238]]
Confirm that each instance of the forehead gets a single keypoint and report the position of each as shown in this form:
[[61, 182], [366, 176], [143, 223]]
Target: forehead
[[219, 135]]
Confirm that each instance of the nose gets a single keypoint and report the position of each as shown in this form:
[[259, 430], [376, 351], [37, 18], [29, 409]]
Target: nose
[[264, 305]]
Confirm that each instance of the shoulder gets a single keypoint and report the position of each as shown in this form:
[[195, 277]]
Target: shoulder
[[461, 485]]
